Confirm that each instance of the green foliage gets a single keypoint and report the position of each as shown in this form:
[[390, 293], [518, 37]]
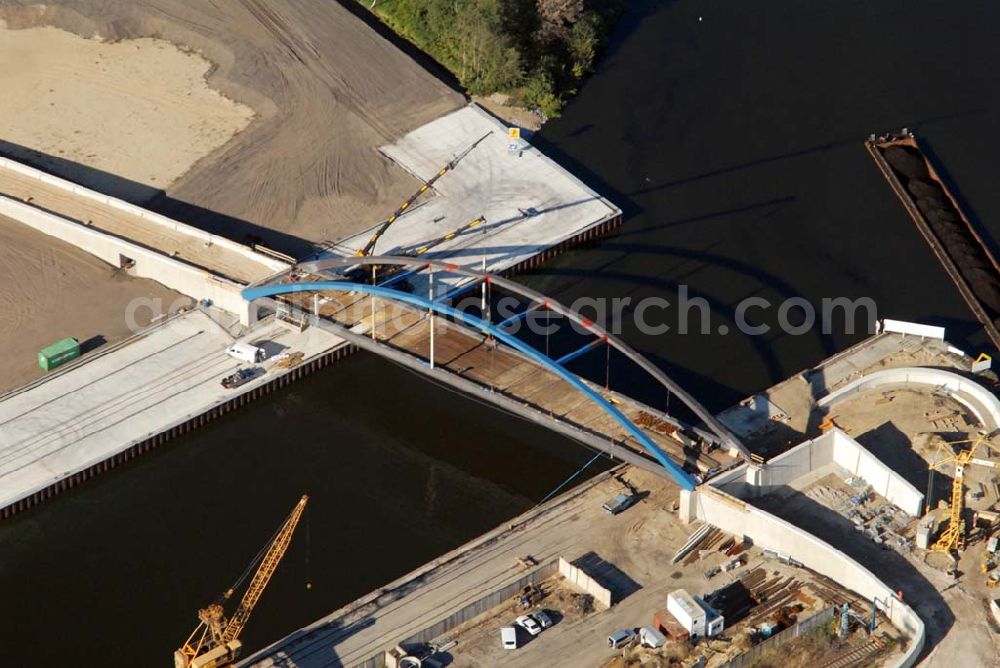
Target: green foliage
[[536, 50], [584, 40]]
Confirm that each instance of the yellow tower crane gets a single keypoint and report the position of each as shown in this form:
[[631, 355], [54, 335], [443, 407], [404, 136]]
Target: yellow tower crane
[[952, 537], [215, 641]]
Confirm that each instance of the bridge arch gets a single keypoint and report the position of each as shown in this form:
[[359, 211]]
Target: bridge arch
[[536, 300]]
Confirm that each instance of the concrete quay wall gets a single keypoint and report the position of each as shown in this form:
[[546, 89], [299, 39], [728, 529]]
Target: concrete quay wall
[[145, 214], [833, 447], [179, 428]]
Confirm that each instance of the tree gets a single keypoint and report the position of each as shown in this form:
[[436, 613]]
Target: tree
[[489, 61], [557, 16], [582, 42]]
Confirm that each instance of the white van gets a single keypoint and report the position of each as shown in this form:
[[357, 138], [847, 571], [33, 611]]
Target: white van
[[247, 353], [508, 637]]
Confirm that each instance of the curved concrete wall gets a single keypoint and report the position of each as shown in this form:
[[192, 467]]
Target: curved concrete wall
[[770, 532], [980, 401]]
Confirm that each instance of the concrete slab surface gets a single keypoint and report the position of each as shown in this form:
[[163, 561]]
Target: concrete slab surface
[[93, 410], [529, 202]]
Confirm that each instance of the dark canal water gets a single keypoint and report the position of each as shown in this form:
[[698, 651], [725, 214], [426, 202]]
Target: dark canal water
[[730, 132]]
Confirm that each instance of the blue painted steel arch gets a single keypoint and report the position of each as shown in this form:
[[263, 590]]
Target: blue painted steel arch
[[675, 471]]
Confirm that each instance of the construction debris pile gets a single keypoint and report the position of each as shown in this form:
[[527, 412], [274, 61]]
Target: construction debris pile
[[880, 521]]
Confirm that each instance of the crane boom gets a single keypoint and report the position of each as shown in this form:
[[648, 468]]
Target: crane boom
[[215, 641], [370, 246], [263, 575]]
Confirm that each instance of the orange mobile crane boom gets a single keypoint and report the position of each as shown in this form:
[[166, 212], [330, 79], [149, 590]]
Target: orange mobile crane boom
[[215, 641]]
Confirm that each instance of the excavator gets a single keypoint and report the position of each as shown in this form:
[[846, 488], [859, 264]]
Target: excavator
[[215, 641]]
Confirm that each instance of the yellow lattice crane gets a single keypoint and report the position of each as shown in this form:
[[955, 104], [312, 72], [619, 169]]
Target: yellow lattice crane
[[215, 641], [951, 538]]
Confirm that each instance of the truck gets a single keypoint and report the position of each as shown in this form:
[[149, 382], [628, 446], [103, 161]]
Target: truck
[[508, 637], [238, 378]]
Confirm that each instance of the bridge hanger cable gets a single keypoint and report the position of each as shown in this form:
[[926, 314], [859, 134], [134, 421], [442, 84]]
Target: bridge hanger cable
[[569, 479], [607, 366]]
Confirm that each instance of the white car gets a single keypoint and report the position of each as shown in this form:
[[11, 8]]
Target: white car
[[542, 618], [528, 623]]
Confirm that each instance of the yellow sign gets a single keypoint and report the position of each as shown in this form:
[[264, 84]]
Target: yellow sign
[[514, 133]]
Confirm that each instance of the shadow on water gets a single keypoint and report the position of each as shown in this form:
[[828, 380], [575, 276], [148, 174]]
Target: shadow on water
[[157, 200], [628, 206]]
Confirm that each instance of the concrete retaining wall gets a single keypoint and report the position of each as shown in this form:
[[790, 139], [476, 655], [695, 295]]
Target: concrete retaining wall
[[978, 400], [833, 447], [146, 215], [767, 531], [171, 272], [588, 585], [849, 454]]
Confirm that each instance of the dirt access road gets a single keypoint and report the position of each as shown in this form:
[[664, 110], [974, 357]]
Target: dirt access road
[[327, 90]]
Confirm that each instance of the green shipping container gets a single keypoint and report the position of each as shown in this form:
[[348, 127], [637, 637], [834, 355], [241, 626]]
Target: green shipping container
[[58, 353]]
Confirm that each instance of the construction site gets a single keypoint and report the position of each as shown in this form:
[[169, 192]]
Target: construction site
[[896, 412], [848, 516]]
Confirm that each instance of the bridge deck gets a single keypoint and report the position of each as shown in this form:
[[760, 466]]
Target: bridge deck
[[499, 369]]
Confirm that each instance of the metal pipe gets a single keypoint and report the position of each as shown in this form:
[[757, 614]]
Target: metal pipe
[[568, 357]]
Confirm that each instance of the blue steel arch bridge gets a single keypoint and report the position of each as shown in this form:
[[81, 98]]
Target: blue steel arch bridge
[[404, 308]]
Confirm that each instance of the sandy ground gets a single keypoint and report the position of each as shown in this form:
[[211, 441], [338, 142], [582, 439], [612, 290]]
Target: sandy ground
[[327, 91], [140, 109], [50, 290]]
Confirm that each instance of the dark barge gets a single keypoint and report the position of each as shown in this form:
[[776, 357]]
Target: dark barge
[[940, 219]]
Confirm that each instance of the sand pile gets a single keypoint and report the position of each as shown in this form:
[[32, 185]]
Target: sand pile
[[326, 88]]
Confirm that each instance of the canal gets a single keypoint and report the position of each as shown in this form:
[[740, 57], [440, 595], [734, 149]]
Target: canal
[[730, 133]]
